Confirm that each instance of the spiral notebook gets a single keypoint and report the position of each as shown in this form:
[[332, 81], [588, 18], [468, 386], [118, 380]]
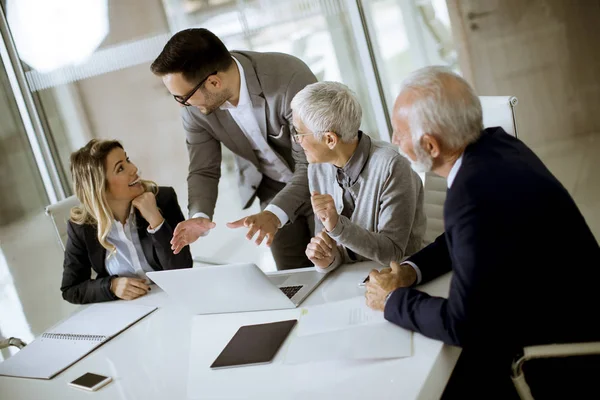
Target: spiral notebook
[[71, 340]]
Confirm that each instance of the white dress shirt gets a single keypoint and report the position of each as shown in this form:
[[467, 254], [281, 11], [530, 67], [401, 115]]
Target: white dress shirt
[[129, 259], [449, 181], [270, 163], [454, 171]]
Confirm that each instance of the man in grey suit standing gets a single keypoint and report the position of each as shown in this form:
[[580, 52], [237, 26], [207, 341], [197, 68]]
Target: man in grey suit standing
[[241, 100]]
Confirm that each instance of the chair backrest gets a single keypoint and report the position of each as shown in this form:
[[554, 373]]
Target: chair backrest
[[497, 111], [59, 214]]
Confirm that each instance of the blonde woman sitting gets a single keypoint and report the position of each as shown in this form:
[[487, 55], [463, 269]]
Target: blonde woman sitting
[[122, 229]]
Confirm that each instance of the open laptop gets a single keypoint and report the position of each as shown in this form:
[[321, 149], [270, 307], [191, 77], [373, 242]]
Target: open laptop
[[236, 287]]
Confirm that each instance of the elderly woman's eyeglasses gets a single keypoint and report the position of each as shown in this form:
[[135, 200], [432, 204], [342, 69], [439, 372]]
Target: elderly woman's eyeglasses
[[298, 136], [184, 99]]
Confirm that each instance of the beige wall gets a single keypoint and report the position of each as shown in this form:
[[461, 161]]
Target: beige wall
[[547, 53], [134, 19], [544, 52]]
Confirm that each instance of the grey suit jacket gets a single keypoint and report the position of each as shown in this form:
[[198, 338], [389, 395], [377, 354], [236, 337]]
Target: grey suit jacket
[[273, 79]]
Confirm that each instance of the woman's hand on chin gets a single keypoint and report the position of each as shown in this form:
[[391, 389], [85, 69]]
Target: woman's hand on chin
[[146, 204]]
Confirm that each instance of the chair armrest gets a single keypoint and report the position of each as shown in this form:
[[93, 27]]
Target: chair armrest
[[554, 350], [12, 341]]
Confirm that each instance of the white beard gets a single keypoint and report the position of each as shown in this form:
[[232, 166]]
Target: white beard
[[424, 161]]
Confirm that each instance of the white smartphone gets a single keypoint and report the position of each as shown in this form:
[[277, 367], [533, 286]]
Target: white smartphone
[[91, 382]]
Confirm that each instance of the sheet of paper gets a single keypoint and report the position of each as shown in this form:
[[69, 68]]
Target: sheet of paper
[[346, 329], [337, 316], [379, 340]]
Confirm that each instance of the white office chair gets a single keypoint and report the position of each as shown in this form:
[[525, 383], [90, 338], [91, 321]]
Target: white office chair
[[59, 214], [12, 341], [547, 351], [497, 111]]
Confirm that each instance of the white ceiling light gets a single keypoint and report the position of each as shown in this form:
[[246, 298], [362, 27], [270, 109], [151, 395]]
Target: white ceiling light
[[50, 34]]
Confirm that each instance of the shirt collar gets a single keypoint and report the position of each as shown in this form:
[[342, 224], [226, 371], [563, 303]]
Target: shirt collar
[[244, 93], [454, 171], [357, 161], [129, 218]]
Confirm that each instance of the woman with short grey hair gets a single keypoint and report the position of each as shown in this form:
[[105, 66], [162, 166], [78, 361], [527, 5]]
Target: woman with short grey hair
[[367, 201]]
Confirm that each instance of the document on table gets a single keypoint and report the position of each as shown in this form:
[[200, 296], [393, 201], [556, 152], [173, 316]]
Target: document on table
[[346, 330], [337, 316]]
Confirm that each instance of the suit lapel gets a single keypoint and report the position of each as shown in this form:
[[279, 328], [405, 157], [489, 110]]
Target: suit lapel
[[97, 253], [240, 142], [259, 105], [145, 240]]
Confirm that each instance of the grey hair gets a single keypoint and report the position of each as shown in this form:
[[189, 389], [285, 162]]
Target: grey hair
[[444, 105], [329, 107]]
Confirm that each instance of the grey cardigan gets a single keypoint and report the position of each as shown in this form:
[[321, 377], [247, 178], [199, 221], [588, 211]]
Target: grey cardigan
[[388, 223]]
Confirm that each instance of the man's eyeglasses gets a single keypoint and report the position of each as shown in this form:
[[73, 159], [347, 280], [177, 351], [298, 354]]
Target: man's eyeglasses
[[184, 99]]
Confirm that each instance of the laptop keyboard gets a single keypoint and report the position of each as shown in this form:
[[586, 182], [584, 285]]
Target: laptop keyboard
[[290, 291]]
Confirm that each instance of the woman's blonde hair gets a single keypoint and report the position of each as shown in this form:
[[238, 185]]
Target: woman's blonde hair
[[90, 184]]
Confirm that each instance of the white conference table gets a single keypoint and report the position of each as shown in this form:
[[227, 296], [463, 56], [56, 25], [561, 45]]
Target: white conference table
[[167, 356]]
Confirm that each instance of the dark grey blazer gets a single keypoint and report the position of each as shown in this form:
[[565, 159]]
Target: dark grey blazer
[[273, 79], [84, 253]]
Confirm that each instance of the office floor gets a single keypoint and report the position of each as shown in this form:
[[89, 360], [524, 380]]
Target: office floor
[[31, 260]]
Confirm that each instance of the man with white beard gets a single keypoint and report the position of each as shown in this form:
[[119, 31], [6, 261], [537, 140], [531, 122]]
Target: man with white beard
[[525, 264]]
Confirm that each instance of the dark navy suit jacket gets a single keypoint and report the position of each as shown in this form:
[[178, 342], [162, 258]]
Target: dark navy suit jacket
[[525, 264]]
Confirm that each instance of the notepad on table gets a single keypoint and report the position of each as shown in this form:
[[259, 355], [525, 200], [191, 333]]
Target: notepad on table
[[71, 340]]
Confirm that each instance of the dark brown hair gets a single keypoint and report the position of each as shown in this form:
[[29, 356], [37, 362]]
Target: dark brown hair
[[195, 53]]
